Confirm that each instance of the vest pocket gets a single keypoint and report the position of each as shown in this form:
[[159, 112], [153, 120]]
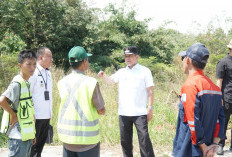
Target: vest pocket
[[27, 129], [23, 110]]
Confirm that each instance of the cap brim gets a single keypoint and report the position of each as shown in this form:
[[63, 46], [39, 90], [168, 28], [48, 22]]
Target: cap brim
[[182, 53], [229, 46], [89, 54], [129, 53]]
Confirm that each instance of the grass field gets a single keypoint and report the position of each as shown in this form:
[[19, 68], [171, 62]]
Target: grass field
[[161, 128]]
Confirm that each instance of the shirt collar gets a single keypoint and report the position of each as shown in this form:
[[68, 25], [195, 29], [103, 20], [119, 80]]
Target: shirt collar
[[78, 72], [40, 67], [198, 72], [136, 66]]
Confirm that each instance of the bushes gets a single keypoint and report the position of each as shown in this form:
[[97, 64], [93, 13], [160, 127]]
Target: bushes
[[10, 46]]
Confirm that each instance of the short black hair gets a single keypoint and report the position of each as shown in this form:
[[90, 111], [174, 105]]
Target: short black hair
[[41, 51], [26, 54], [200, 65], [75, 65]]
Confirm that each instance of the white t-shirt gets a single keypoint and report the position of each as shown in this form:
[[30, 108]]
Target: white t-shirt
[[13, 94], [132, 89], [43, 108]]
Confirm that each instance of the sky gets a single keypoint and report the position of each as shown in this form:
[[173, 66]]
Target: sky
[[188, 16]]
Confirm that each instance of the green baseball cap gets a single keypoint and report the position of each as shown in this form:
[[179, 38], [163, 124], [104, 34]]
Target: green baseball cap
[[77, 54]]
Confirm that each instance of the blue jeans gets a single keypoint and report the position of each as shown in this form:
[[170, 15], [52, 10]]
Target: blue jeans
[[19, 148], [94, 152]]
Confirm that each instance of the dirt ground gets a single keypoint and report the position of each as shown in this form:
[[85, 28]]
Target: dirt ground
[[112, 151], [106, 151], [56, 151]]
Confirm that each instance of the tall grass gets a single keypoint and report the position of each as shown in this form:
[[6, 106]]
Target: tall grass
[[161, 128]]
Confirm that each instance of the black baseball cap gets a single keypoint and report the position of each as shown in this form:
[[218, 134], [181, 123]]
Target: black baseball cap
[[130, 50]]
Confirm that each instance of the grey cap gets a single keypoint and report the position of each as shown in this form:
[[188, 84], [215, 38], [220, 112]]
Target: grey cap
[[182, 53], [197, 52]]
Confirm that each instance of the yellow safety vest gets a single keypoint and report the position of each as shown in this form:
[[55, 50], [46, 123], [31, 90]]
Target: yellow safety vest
[[78, 117], [25, 111]]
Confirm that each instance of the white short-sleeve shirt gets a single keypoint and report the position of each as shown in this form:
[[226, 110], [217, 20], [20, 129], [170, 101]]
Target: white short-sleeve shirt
[[132, 89], [43, 108]]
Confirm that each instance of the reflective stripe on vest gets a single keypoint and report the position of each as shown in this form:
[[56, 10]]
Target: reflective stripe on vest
[[5, 122], [25, 111], [82, 131]]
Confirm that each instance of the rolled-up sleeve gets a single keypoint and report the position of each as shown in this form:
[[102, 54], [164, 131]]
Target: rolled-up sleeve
[[97, 98], [12, 93], [148, 79], [115, 77]]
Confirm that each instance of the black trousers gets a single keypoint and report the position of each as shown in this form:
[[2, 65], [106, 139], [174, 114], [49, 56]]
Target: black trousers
[[94, 152], [228, 111], [126, 133], [41, 126]]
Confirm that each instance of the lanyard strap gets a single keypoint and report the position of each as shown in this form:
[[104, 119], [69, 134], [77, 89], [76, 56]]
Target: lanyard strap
[[28, 86], [43, 78]]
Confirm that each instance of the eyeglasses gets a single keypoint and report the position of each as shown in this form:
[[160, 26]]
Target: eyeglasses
[[182, 58]]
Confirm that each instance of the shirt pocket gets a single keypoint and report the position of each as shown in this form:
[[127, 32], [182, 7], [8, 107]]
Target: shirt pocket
[[40, 82]]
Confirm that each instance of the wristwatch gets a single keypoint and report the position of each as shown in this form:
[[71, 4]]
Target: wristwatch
[[150, 107]]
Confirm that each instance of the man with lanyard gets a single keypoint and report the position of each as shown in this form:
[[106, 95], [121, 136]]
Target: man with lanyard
[[135, 88], [41, 88], [201, 117], [81, 103], [224, 82], [17, 102]]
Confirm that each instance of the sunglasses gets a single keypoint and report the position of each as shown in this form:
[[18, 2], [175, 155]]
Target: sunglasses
[[182, 58]]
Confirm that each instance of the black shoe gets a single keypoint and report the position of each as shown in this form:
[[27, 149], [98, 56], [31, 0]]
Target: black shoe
[[220, 150], [230, 148]]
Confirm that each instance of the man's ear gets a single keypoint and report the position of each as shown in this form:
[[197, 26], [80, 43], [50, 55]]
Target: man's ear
[[137, 56], [40, 57], [85, 60], [188, 60], [20, 65]]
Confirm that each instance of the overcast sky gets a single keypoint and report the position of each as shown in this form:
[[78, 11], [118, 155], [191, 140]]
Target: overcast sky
[[188, 15]]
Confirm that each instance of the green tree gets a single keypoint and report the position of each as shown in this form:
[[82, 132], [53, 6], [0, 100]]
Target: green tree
[[11, 44], [59, 25], [119, 29]]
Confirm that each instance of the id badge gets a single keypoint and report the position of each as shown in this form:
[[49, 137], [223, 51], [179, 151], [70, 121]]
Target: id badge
[[46, 95]]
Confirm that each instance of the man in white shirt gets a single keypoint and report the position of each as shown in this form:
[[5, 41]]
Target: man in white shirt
[[135, 88], [41, 88]]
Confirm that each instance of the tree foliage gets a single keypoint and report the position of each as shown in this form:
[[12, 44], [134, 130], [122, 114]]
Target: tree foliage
[[11, 44], [60, 25], [121, 29]]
